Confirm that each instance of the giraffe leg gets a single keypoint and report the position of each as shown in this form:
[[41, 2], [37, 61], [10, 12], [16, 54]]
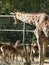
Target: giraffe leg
[[39, 43], [37, 36], [41, 56], [44, 50], [40, 51], [40, 47]]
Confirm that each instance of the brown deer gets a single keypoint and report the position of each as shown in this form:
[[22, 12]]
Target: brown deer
[[35, 50], [8, 50], [19, 47]]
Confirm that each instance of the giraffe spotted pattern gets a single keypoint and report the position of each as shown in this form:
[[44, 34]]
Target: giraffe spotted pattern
[[41, 21]]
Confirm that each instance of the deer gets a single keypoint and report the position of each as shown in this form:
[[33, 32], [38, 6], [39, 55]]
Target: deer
[[8, 50], [35, 50], [19, 46]]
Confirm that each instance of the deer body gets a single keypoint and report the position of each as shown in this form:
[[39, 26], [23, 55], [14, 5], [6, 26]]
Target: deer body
[[8, 51], [19, 47]]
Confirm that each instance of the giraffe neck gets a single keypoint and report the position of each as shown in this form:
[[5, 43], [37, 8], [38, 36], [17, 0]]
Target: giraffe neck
[[31, 18]]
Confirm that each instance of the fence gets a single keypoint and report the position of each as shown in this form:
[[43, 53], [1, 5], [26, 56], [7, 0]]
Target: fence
[[18, 31], [5, 16]]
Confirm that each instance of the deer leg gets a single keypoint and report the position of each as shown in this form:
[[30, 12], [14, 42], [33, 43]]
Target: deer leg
[[28, 59], [12, 58], [3, 56], [22, 57], [15, 57], [32, 56], [9, 56]]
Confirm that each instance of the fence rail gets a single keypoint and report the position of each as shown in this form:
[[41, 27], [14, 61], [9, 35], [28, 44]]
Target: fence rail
[[12, 29], [6, 15], [16, 30]]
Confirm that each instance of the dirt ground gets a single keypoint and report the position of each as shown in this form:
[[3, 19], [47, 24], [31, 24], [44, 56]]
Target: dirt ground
[[37, 61], [32, 63]]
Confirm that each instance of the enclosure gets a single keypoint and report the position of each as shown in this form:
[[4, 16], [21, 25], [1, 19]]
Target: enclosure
[[22, 31], [10, 33]]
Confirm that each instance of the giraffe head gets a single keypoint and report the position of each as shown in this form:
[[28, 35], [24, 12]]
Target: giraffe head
[[15, 19], [46, 27]]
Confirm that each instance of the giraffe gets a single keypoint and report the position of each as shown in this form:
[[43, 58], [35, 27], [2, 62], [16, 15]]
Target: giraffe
[[41, 21]]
